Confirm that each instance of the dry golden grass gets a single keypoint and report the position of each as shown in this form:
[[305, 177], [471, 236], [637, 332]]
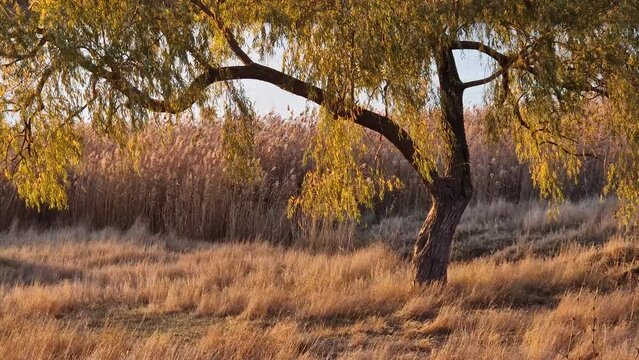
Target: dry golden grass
[[80, 294]]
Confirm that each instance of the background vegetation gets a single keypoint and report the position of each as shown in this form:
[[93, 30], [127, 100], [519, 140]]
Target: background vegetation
[[177, 182]]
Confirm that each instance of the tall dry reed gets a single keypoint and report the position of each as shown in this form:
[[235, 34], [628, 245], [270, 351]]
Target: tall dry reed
[[180, 185]]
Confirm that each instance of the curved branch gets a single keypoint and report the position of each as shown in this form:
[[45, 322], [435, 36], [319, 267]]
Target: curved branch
[[361, 116], [505, 61], [481, 47], [486, 80]]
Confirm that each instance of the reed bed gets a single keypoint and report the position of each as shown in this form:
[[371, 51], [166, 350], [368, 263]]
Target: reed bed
[[179, 184]]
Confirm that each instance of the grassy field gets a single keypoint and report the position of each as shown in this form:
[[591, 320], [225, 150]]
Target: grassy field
[[565, 288]]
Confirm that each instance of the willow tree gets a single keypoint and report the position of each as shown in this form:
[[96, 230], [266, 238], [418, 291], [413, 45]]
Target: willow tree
[[115, 62]]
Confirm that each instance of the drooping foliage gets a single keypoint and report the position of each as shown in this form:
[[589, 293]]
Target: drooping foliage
[[370, 63], [341, 181]]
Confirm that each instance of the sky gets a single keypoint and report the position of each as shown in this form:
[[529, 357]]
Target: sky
[[269, 98]]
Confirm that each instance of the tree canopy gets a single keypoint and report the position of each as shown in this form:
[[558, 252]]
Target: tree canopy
[[116, 62]]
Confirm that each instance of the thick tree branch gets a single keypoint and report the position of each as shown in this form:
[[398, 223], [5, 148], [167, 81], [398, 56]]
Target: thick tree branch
[[361, 116]]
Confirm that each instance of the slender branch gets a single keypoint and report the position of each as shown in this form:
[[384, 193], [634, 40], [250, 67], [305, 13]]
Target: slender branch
[[600, 91], [505, 61], [483, 48], [20, 57], [517, 61], [569, 152], [37, 94], [228, 35], [534, 132], [486, 80]]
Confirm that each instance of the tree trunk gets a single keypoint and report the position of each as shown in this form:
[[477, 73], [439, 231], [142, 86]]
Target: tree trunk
[[434, 242], [452, 191]]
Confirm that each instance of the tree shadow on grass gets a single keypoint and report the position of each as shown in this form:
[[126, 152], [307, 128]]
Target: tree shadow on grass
[[20, 273]]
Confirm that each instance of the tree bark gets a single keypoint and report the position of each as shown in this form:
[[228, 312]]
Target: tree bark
[[452, 192], [434, 242]]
